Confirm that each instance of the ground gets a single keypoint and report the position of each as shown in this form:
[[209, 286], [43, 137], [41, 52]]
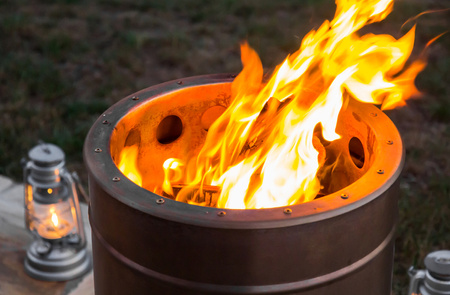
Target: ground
[[63, 62]]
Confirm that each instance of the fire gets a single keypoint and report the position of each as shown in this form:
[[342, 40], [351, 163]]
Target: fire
[[262, 152], [127, 164], [55, 219]]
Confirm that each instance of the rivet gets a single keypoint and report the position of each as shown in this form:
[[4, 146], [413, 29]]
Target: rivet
[[287, 211], [116, 179], [380, 171], [389, 142], [105, 122], [98, 150], [373, 114], [180, 82], [160, 201], [344, 196], [135, 98], [233, 76], [221, 213]]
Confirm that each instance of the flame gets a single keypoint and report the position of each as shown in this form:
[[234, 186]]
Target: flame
[[172, 171], [260, 151], [128, 163], [55, 219]]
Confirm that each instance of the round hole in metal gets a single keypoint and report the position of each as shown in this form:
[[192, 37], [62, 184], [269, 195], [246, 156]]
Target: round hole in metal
[[356, 151], [169, 129], [211, 115]]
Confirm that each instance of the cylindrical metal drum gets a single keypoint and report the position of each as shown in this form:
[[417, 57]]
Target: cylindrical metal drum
[[341, 243]]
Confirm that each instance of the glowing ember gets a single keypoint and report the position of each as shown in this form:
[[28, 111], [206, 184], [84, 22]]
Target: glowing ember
[[263, 152]]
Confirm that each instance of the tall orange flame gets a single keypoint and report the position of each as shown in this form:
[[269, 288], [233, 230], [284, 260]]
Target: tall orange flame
[[260, 152], [128, 164]]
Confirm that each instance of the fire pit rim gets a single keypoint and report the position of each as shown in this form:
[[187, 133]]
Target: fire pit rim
[[98, 159]]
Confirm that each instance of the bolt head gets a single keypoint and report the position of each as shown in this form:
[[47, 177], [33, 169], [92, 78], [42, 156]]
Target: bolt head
[[344, 196], [287, 211]]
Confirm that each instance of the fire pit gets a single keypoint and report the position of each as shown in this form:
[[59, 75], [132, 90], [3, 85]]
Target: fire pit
[[253, 185], [340, 243]]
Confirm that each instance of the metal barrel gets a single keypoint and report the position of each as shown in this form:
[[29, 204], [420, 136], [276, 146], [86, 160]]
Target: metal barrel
[[342, 243]]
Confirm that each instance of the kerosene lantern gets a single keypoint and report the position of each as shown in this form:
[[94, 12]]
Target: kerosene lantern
[[435, 278], [52, 215]]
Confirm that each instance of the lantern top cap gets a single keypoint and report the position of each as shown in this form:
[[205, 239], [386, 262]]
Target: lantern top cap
[[46, 154], [438, 262]]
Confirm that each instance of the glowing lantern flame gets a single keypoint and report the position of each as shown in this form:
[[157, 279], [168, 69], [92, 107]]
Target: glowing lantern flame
[[260, 152], [55, 219]]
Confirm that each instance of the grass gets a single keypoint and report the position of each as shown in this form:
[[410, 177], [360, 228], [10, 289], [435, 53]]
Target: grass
[[62, 63]]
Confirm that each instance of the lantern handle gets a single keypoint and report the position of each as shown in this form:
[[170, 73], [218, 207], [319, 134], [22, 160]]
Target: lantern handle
[[80, 187], [416, 278], [65, 174]]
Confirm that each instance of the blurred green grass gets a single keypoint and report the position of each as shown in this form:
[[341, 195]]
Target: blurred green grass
[[62, 63]]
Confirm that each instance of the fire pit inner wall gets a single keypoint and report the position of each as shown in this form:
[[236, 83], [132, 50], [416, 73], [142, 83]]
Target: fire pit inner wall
[[341, 243]]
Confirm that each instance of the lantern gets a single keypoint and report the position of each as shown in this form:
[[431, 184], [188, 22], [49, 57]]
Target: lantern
[[52, 215], [435, 279]]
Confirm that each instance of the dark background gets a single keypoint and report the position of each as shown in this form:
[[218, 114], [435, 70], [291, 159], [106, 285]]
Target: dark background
[[62, 63]]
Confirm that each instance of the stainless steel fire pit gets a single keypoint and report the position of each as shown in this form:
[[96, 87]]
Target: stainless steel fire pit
[[143, 243]]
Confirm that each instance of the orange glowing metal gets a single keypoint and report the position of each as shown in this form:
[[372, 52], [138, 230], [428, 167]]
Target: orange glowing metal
[[260, 151]]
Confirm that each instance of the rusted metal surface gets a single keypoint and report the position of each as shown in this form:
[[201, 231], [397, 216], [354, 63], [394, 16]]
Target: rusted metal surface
[[334, 244]]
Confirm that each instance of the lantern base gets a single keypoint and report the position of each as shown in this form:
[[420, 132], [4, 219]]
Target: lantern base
[[56, 264]]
